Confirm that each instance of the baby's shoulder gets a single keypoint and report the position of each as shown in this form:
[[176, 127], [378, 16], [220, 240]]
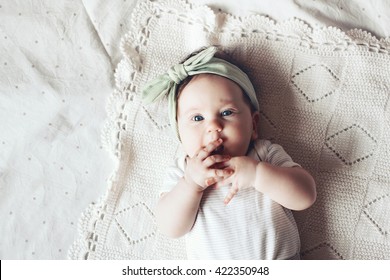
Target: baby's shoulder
[[262, 147], [265, 150]]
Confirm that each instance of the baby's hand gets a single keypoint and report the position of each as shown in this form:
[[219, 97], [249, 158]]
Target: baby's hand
[[244, 175], [201, 168]]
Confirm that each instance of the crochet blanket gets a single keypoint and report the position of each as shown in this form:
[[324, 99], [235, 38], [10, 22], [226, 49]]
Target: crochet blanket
[[324, 96]]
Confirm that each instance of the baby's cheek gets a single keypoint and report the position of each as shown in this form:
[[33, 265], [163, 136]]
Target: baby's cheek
[[190, 151]]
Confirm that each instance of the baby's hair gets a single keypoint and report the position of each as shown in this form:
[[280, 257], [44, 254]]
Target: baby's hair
[[219, 54]]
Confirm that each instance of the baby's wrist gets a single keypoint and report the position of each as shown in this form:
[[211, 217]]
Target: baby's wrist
[[260, 168], [192, 185]]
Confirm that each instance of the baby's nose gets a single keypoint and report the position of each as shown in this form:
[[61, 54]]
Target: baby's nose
[[214, 125], [214, 130], [214, 135]]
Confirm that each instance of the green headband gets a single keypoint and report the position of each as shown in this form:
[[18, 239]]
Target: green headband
[[201, 63]]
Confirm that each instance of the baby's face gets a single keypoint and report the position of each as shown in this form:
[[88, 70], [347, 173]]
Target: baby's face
[[212, 107]]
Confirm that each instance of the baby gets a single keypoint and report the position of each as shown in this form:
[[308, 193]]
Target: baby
[[232, 193]]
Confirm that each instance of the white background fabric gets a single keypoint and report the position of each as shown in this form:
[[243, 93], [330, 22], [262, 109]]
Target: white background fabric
[[57, 60]]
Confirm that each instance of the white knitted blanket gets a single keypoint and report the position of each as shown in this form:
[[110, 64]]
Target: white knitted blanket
[[324, 96]]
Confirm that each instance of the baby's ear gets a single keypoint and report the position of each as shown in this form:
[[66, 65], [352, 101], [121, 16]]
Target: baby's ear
[[255, 122]]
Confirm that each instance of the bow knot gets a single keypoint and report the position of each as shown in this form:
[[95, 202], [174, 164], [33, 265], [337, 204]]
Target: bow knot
[[177, 73], [166, 84]]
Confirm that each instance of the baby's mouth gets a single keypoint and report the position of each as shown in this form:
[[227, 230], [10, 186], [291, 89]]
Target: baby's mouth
[[218, 151]]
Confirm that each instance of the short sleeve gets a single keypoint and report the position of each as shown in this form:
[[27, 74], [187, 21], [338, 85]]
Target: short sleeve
[[273, 154], [172, 175]]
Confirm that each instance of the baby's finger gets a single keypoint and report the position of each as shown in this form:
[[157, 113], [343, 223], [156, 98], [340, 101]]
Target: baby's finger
[[211, 160], [221, 173], [223, 182], [210, 181], [227, 179], [218, 175], [205, 151], [232, 192]]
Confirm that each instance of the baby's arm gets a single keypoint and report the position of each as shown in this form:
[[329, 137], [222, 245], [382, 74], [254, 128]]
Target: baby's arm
[[177, 209], [292, 187]]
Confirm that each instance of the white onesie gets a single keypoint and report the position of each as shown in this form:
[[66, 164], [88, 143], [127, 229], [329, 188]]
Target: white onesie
[[251, 226]]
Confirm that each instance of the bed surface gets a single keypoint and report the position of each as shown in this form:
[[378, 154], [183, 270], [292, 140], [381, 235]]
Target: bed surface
[[57, 73]]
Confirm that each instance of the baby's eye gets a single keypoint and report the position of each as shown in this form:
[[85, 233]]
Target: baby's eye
[[226, 113], [197, 118]]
